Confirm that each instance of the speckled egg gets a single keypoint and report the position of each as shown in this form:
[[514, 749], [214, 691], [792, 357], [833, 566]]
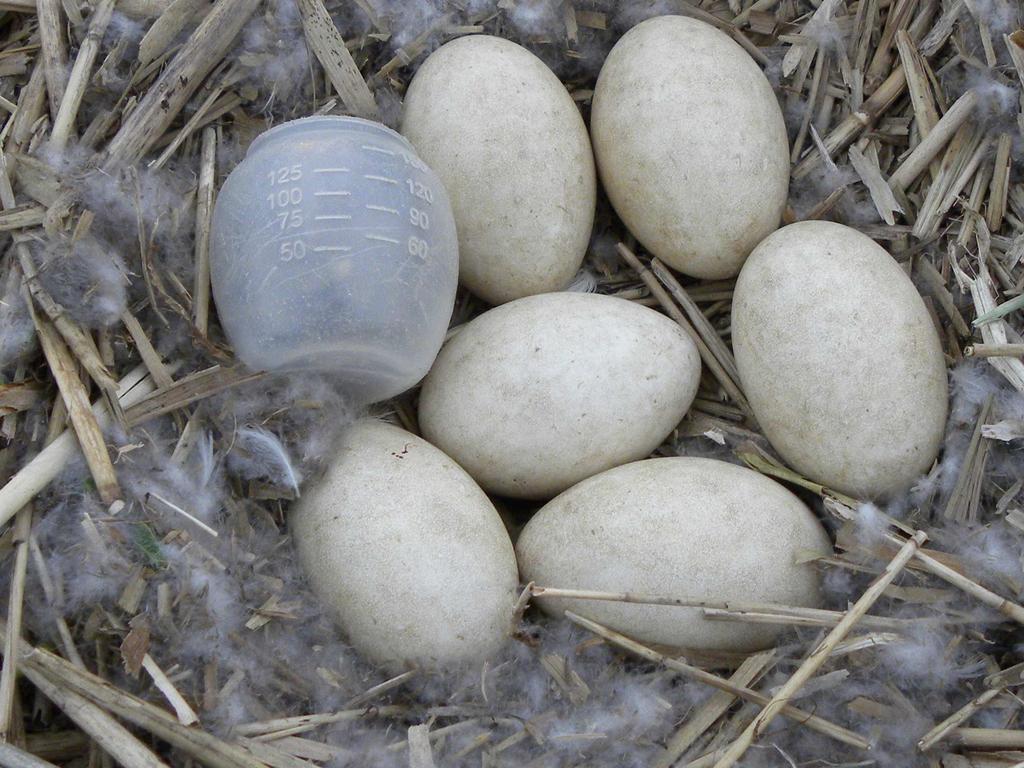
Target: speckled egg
[[839, 359], [406, 551], [509, 143]]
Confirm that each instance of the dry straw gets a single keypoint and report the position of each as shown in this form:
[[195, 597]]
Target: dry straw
[[897, 127]]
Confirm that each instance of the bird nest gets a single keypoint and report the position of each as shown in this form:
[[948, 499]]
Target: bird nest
[[153, 613]]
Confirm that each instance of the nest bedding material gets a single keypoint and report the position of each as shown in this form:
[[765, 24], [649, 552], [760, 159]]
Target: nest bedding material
[[153, 612]]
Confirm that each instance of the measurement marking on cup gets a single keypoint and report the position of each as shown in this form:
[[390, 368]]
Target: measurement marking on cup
[[330, 170], [332, 218], [383, 151], [383, 208], [385, 179], [382, 239], [331, 194], [331, 248]]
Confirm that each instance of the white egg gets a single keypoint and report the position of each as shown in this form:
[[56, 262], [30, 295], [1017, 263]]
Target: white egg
[[840, 359], [406, 551], [538, 394], [687, 528], [509, 143], [690, 144]]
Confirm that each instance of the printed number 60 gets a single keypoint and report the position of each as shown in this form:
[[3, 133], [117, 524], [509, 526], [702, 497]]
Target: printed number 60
[[419, 248]]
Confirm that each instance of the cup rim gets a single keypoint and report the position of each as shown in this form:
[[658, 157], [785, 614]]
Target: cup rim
[[342, 122]]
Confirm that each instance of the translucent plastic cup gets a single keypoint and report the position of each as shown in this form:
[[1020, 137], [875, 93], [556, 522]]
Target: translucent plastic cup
[[333, 248]]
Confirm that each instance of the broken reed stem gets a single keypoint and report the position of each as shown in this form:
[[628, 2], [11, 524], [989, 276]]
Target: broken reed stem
[[687, 9], [46, 581], [198, 118], [112, 737], [420, 753], [190, 520], [994, 330], [83, 420], [882, 196], [78, 82], [940, 731], [821, 653], [66, 678], [947, 187], [80, 342], [54, 50], [897, 18], [186, 391], [519, 608], [15, 606], [767, 466], [271, 755], [522, 734], [181, 707], [863, 642], [717, 705], [826, 205], [178, 81], [289, 726], [766, 617], [328, 45], [918, 83], [800, 716], [697, 318], [731, 388], [408, 52], [853, 125], [150, 357], [706, 760], [166, 28], [204, 218], [820, 66], [12, 757], [50, 462], [784, 614], [21, 217], [1005, 677], [461, 725], [932, 144], [1000, 184], [31, 106], [302, 723], [990, 738], [961, 582], [57, 745], [937, 287], [994, 350], [966, 496]]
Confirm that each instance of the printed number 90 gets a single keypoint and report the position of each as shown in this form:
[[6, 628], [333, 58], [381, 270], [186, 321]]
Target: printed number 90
[[419, 218]]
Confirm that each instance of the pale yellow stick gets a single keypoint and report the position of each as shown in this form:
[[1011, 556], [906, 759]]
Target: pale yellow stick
[[820, 654], [943, 729], [815, 723]]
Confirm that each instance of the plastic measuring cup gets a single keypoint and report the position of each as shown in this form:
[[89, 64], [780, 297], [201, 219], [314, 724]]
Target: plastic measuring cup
[[333, 248]]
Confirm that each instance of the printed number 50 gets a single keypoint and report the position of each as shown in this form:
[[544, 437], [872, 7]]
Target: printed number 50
[[292, 250]]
